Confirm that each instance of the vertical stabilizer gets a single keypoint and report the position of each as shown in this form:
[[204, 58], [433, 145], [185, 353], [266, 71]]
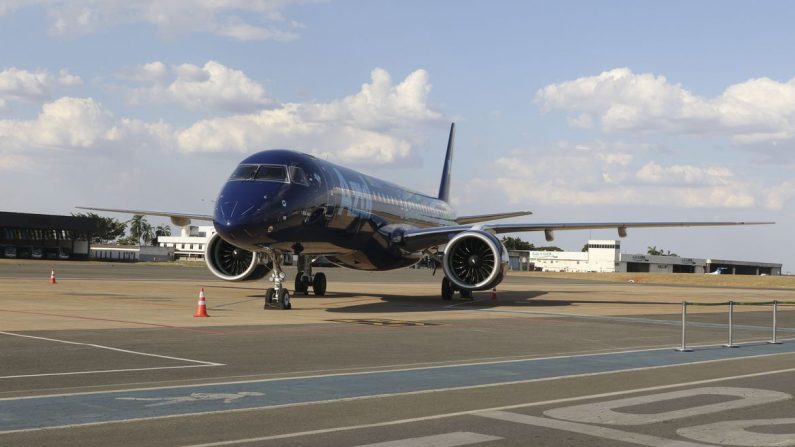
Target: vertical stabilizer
[[444, 186]]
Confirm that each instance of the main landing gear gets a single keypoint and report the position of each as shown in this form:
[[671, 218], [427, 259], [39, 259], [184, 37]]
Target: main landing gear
[[448, 290], [277, 295], [305, 279]]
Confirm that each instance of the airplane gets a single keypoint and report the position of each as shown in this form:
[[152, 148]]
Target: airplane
[[279, 202]]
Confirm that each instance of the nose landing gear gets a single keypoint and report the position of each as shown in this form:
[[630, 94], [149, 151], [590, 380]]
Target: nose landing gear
[[277, 295]]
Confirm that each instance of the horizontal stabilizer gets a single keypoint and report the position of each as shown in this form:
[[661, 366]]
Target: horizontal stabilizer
[[463, 220]]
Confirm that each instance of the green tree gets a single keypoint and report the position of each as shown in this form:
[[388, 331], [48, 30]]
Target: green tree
[[108, 228], [140, 230], [548, 248], [515, 243], [163, 230], [654, 251]]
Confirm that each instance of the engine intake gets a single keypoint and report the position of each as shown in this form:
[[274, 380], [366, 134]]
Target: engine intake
[[231, 263], [475, 260]]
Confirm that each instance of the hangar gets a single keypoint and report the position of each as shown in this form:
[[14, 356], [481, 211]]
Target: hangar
[[606, 256], [44, 236]]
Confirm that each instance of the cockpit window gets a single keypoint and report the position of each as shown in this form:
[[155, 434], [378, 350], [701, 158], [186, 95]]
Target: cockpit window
[[298, 176], [274, 173], [244, 172]]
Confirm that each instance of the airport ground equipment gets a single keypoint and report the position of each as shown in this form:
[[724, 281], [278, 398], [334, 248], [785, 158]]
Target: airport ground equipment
[[730, 344]]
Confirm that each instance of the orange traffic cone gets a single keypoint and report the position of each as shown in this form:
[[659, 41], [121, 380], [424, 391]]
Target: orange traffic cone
[[52, 276], [494, 294], [201, 309]]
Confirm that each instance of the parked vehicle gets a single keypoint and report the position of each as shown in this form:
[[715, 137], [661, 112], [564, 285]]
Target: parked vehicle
[[64, 253], [37, 253], [10, 252]]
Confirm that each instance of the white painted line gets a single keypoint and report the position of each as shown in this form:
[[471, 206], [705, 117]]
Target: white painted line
[[590, 430], [110, 348], [446, 440], [101, 371]]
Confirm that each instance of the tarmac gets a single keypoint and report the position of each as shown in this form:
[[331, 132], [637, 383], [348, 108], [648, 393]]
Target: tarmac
[[112, 355]]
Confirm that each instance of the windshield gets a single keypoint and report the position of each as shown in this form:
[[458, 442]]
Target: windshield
[[260, 172]]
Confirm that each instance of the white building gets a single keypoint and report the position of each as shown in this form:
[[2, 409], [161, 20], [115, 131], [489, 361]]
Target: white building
[[191, 242], [606, 256]]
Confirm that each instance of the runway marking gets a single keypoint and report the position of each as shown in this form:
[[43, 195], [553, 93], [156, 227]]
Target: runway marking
[[193, 397], [446, 440], [590, 430], [736, 433], [605, 413], [384, 322], [198, 363], [733, 432], [483, 410], [140, 323]]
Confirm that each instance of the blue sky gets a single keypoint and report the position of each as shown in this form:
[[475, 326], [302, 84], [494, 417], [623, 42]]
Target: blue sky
[[580, 111]]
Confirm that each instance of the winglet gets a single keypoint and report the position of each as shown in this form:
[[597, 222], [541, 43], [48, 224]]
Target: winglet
[[444, 186]]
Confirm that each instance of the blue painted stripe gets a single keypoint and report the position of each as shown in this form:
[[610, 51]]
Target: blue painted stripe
[[54, 411]]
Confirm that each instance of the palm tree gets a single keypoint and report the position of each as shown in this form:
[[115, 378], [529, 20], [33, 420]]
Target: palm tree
[[140, 229], [163, 230]]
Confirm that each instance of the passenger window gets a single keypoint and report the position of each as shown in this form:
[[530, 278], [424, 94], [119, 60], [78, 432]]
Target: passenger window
[[298, 176]]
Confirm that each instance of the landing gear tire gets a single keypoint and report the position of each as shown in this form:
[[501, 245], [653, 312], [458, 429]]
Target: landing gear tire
[[301, 284], [447, 290], [283, 299], [269, 297], [319, 284]]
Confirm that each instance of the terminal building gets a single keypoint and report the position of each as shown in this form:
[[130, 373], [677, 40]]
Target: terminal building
[[44, 236], [606, 256]]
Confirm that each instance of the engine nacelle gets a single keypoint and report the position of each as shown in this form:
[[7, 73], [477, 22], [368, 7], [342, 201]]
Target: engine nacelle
[[475, 260], [231, 263]]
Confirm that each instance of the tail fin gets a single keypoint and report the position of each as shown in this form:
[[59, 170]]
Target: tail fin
[[444, 186]]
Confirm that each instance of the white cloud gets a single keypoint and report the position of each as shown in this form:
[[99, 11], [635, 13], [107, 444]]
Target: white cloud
[[73, 123], [150, 72], [32, 86], [359, 128], [755, 110], [236, 19], [654, 173], [376, 126], [213, 86], [22, 85], [605, 174]]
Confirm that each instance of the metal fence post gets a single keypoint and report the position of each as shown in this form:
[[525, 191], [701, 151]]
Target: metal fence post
[[683, 348], [731, 318], [775, 324]]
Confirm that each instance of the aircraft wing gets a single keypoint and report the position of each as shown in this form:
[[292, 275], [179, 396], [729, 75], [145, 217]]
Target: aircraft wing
[[179, 219], [421, 238], [487, 217]]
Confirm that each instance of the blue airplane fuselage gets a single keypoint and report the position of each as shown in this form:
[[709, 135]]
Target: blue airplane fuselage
[[295, 203]]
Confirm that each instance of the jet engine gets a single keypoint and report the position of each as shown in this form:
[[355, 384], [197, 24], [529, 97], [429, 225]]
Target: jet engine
[[475, 260], [231, 263]]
